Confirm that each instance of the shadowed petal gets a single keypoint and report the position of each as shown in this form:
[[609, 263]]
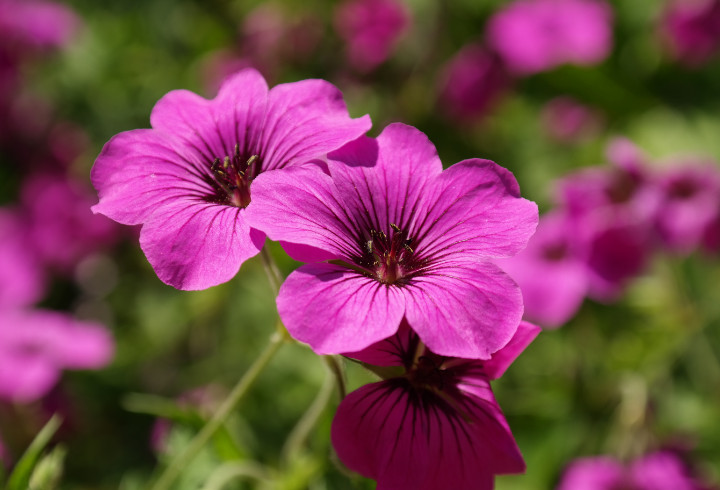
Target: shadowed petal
[[464, 309], [194, 245], [475, 207], [336, 310]]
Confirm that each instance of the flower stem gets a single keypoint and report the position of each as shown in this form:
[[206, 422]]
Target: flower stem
[[175, 468], [271, 269], [336, 368]]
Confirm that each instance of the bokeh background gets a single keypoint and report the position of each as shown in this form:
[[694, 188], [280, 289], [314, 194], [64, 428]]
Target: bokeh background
[[622, 377]]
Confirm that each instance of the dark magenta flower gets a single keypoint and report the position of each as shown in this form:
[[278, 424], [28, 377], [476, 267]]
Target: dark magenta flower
[[552, 277], [36, 345], [689, 204], [662, 470], [371, 29], [434, 423], [187, 180], [692, 30], [471, 83], [533, 36], [403, 239]]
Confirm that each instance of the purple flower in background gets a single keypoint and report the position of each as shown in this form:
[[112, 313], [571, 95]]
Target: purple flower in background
[[692, 29], [568, 121], [187, 180], [661, 470], [371, 29], [690, 204], [533, 36], [36, 345], [471, 83], [62, 230], [404, 239], [22, 281], [434, 424], [34, 23], [551, 276]]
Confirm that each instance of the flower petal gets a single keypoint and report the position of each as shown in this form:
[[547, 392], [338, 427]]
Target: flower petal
[[501, 360], [337, 310], [463, 309], [195, 245], [475, 208]]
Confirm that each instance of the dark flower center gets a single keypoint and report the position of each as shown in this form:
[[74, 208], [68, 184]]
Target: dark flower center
[[682, 189], [427, 372], [388, 257], [555, 252], [231, 177], [622, 187]]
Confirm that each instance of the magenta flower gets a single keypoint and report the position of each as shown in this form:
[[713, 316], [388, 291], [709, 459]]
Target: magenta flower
[[434, 424], [187, 180], [62, 229], [568, 121], [661, 470], [692, 30], [532, 36], [404, 239], [22, 281], [36, 345], [36, 23], [690, 204], [552, 277], [371, 29], [471, 83]]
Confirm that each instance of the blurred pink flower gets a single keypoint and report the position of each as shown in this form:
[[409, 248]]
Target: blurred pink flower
[[551, 276], [661, 470], [471, 83], [36, 345], [568, 121], [62, 228], [433, 422], [36, 23], [533, 36], [371, 29], [22, 281], [692, 29]]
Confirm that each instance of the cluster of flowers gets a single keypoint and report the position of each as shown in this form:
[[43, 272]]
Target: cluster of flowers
[[48, 230], [608, 223], [399, 254]]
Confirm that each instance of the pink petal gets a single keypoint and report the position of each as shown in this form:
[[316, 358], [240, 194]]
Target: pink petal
[[195, 245], [464, 309], [24, 379], [501, 360], [337, 310]]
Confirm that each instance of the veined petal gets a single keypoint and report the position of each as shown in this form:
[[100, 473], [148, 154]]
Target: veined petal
[[463, 309], [414, 438], [195, 245], [298, 205], [139, 171], [337, 310], [383, 180], [474, 207], [305, 120]]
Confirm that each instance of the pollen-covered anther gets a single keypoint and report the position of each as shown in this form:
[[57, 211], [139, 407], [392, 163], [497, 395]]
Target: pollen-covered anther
[[231, 177], [388, 255]]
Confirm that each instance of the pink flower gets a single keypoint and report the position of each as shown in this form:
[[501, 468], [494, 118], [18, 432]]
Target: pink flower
[[552, 277], [435, 424], [371, 28], [36, 23], [568, 121], [692, 29], [532, 36], [62, 230], [690, 204], [22, 281], [187, 180], [404, 239], [662, 470], [36, 345], [471, 83]]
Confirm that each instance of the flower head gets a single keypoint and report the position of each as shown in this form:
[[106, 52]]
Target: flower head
[[403, 239], [22, 280], [692, 30], [36, 345], [188, 179], [537, 35], [435, 424]]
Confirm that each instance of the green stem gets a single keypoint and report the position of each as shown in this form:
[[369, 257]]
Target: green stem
[[173, 470], [271, 269], [337, 371], [231, 471]]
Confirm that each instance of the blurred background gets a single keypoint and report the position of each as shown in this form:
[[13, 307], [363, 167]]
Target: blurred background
[[561, 92]]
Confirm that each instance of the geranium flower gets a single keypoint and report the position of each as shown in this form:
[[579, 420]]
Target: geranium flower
[[36, 345], [404, 239], [433, 424], [22, 280], [692, 30], [533, 36], [187, 180]]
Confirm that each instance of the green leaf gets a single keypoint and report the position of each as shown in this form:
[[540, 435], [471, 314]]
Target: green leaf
[[20, 477]]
